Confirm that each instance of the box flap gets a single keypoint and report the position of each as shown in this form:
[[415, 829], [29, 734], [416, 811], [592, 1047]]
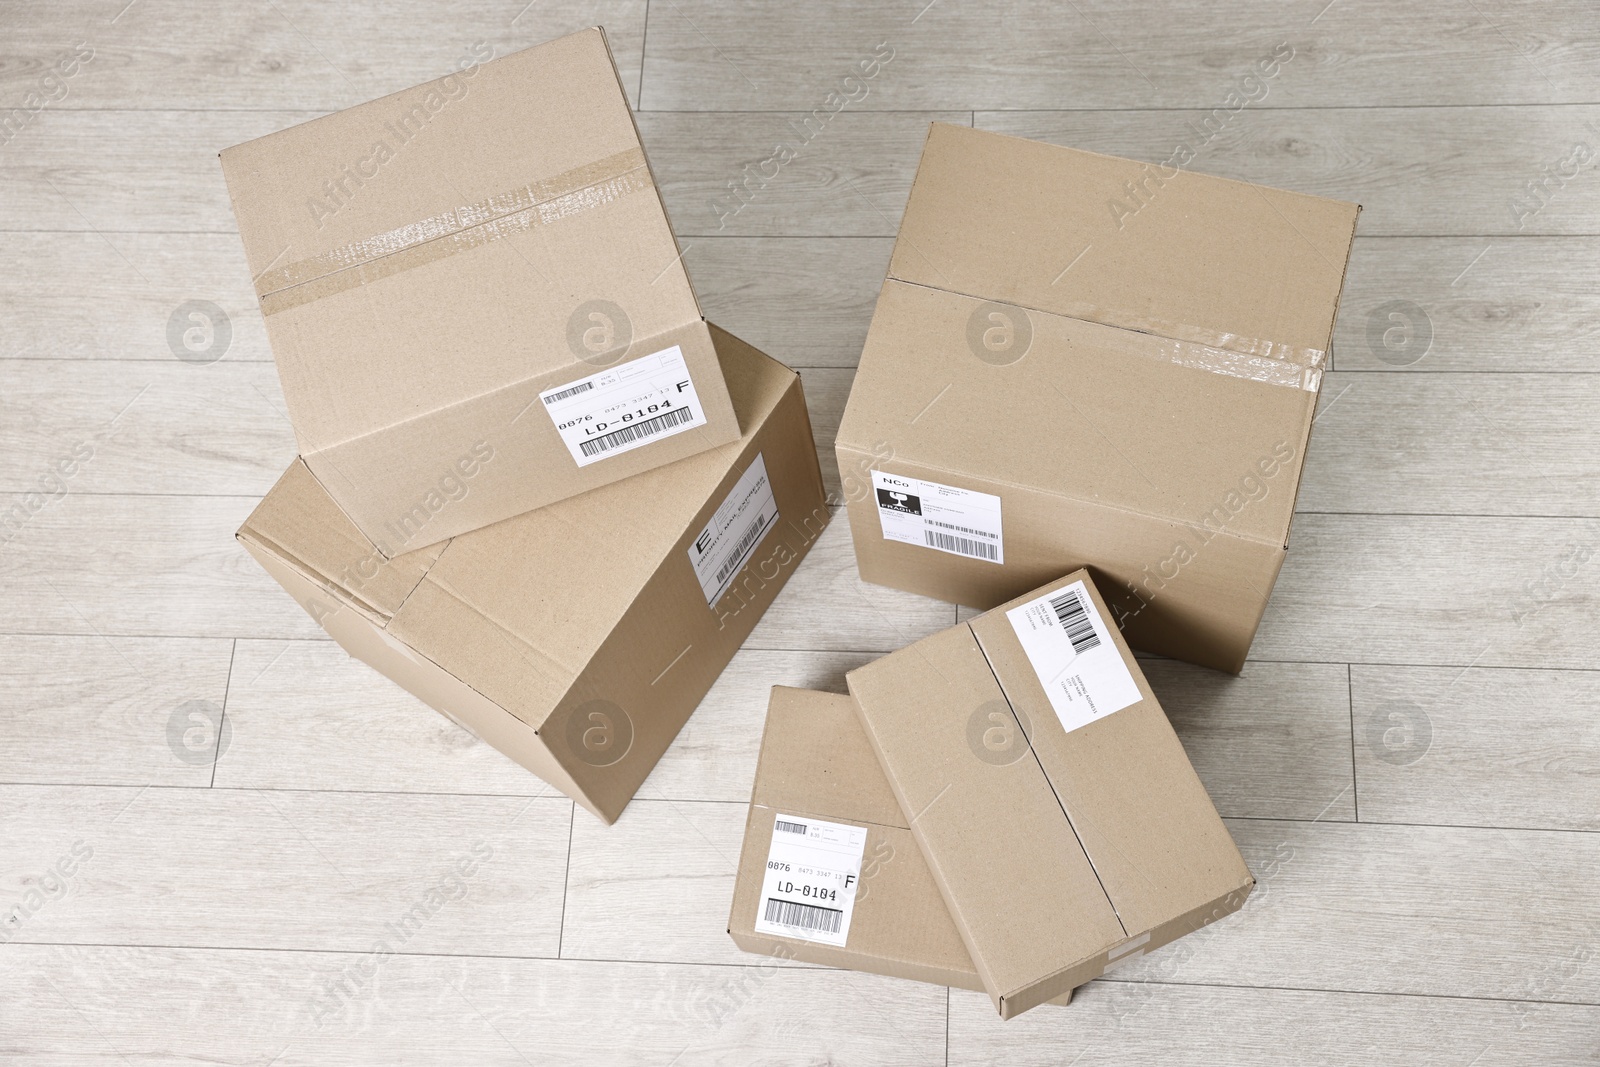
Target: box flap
[[1164, 251], [453, 231], [554, 620]]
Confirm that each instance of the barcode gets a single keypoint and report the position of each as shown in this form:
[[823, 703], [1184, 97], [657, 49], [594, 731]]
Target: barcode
[[963, 529], [739, 550], [805, 916], [636, 431], [964, 545], [792, 827], [1073, 615], [581, 387]]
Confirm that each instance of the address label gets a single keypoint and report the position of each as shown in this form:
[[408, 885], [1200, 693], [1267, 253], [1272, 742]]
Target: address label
[[946, 518], [1072, 653], [809, 888], [625, 407]]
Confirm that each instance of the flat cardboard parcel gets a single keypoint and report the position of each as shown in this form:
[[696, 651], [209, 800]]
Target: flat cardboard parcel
[[1055, 807], [576, 638], [1078, 360], [479, 265], [816, 763]]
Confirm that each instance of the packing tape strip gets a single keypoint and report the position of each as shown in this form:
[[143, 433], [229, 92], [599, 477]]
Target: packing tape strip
[[1233, 343], [538, 203]]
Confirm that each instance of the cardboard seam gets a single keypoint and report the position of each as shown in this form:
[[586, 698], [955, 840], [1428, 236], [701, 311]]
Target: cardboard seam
[[365, 608], [978, 642], [826, 818], [1220, 357], [1005, 483]]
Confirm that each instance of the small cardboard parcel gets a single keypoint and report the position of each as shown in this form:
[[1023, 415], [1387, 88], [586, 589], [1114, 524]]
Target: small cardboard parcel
[[821, 814], [576, 638], [1078, 360], [1044, 787], [479, 264]]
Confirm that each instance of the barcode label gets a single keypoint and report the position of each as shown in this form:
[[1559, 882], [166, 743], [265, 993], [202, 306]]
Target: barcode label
[[961, 529], [963, 545], [915, 511], [629, 434], [625, 407], [804, 916], [726, 543], [1072, 652], [808, 890], [556, 398], [1073, 615]]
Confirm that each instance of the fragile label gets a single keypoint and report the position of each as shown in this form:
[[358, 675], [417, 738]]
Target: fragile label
[[737, 527], [809, 889], [943, 517], [625, 407], [1071, 650]]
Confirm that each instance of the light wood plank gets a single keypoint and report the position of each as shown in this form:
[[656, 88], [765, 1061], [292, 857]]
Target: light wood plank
[[772, 56], [1478, 747], [848, 177], [289, 53], [136, 427], [146, 171], [804, 300], [305, 715], [827, 607], [1416, 171], [118, 1005], [129, 565], [1121, 1023], [655, 886], [83, 710], [329, 871], [714, 755], [1501, 304], [80, 299], [1484, 444], [1274, 743], [827, 391], [1434, 911], [1432, 590]]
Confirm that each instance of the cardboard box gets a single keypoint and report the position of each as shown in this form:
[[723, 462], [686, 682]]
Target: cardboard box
[[1078, 360], [1054, 805], [576, 638], [478, 264], [816, 766]]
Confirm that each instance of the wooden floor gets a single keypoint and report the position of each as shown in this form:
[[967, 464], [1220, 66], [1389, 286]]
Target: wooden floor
[[1411, 761]]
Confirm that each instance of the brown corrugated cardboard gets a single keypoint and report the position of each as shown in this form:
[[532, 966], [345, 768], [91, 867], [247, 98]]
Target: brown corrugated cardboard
[[437, 267], [816, 764], [1078, 360], [576, 638], [1047, 792]]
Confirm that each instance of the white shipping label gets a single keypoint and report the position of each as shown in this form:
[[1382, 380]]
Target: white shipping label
[[959, 521], [625, 407], [733, 533], [1072, 652], [809, 889]]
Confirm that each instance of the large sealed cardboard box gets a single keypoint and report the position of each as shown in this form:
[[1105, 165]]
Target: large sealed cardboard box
[[479, 265], [1078, 360], [576, 638], [829, 873], [1053, 803]]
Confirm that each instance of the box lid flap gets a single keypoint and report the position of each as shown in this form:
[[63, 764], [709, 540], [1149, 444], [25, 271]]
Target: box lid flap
[[440, 243]]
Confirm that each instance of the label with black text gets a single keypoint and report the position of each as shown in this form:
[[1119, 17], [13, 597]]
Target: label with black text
[[737, 527], [625, 407], [959, 521], [1071, 650], [809, 888]]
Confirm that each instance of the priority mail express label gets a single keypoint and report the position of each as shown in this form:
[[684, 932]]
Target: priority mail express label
[[809, 888], [1071, 650], [625, 407], [959, 521], [728, 540]]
